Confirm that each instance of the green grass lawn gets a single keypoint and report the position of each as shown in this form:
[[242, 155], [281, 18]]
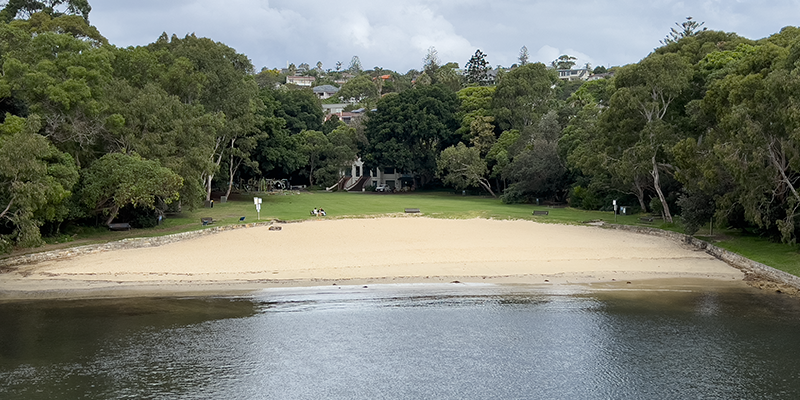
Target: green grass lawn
[[290, 206]]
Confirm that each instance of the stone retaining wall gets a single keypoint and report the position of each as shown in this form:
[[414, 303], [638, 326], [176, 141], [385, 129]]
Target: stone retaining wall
[[744, 264], [132, 243]]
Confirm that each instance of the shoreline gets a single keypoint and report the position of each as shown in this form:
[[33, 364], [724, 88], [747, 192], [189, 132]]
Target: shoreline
[[368, 251]]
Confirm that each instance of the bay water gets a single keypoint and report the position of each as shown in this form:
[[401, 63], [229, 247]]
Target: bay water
[[452, 341]]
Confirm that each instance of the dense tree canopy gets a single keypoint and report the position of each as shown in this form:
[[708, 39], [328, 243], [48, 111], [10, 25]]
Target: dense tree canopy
[[704, 127]]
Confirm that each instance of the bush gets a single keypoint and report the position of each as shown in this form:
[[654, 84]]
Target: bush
[[584, 198], [696, 210]]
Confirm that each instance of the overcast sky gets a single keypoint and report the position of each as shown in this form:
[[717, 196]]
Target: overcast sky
[[397, 34]]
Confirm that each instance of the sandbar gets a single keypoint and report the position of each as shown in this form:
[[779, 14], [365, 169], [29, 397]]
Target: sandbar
[[372, 250]]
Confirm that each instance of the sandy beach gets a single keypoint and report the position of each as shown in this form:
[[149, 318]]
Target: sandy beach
[[380, 250]]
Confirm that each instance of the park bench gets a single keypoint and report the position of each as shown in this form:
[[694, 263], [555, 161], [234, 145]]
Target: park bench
[[119, 226], [207, 221], [412, 210], [537, 212], [648, 220]]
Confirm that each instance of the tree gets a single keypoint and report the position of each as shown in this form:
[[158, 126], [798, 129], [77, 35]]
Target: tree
[[462, 167], [278, 152], [477, 68], [523, 56], [564, 62], [431, 63], [300, 109], [687, 29], [59, 76], [35, 180], [523, 96], [341, 154], [269, 78], [654, 84], [314, 145], [26, 8], [409, 129], [357, 89], [117, 180], [355, 66], [536, 168]]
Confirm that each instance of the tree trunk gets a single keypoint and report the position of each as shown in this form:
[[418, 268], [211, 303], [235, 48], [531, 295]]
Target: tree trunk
[[231, 171], [112, 214], [639, 192], [210, 176], [657, 184], [487, 186]]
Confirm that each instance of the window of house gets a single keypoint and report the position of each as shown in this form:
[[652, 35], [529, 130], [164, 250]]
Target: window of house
[[388, 170]]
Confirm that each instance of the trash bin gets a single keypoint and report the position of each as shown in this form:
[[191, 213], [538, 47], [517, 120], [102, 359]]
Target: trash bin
[[223, 199]]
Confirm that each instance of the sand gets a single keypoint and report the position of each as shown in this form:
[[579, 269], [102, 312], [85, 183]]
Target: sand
[[381, 250]]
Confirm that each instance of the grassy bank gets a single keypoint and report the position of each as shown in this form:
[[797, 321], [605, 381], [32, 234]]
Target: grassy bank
[[291, 206]]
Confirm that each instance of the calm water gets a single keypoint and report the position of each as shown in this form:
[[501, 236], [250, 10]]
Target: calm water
[[407, 342]]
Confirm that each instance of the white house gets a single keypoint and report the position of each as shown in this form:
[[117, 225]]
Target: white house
[[574, 74], [301, 80]]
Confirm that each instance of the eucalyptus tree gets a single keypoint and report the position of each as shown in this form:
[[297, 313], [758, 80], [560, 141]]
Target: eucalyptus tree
[[638, 120], [221, 80], [755, 103]]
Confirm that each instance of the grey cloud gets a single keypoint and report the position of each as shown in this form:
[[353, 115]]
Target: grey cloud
[[396, 35]]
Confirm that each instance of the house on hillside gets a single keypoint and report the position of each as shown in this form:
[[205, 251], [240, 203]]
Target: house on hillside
[[325, 91], [338, 110], [301, 80], [345, 77], [332, 109], [582, 74]]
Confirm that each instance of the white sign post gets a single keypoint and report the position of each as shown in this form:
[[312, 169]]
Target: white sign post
[[615, 211], [257, 201]]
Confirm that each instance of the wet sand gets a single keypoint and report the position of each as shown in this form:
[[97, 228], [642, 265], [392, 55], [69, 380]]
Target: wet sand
[[366, 251]]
